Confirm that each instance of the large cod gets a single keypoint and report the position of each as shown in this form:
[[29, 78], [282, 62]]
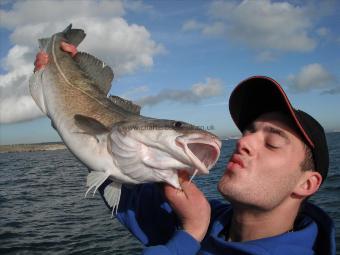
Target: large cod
[[108, 134]]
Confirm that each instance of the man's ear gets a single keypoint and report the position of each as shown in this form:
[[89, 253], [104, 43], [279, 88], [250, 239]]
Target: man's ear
[[309, 184]]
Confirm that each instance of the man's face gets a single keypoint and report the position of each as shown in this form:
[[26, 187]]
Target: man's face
[[265, 167]]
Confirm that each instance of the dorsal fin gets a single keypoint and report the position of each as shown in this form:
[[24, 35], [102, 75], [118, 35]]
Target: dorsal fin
[[74, 36], [125, 104], [96, 69]]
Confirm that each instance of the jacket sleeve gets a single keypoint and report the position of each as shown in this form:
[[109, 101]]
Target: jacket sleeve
[[180, 244], [145, 213]]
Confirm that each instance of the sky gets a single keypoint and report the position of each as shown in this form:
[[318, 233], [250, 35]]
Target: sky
[[178, 59]]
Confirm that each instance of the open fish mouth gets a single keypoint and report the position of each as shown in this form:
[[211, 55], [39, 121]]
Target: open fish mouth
[[202, 151]]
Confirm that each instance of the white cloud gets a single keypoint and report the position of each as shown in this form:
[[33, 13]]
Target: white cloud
[[214, 29], [138, 6], [323, 31], [260, 24], [191, 25], [125, 47], [17, 109], [332, 91], [15, 102], [266, 56], [49, 11], [210, 88], [312, 76]]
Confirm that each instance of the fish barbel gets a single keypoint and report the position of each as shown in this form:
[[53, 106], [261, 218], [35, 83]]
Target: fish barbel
[[108, 134]]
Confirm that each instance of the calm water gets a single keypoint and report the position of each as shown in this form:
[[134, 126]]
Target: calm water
[[43, 210]]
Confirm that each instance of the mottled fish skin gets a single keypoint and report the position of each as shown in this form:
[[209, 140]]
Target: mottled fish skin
[[67, 91], [108, 134], [74, 93]]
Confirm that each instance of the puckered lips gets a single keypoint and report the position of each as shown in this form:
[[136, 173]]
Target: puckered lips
[[235, 162]]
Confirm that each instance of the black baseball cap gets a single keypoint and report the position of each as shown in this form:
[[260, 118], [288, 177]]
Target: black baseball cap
[[260, 94]]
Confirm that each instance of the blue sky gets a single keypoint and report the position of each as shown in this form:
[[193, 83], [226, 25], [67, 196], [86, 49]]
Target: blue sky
[[179, 59]]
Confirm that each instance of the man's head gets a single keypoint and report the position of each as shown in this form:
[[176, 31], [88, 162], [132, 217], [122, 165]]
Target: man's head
[[282, 153]]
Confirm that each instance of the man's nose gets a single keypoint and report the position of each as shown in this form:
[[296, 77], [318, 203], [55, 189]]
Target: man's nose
[[246, 145]]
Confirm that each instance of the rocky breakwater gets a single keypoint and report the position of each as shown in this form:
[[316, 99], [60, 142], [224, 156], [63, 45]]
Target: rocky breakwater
[[32, 147]]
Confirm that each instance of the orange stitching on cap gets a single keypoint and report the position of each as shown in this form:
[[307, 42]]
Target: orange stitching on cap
[[286, 101], [293, 113]]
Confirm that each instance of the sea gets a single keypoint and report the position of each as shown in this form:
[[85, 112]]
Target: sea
[[43, 209]]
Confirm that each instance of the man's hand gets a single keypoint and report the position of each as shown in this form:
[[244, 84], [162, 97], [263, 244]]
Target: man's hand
[[190, 205], [41, 59], [70, 48]]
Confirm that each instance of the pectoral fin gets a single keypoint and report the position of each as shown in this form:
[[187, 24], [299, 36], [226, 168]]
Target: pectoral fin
[[90, 125], [111, 192], [94, 180], [112, 195]]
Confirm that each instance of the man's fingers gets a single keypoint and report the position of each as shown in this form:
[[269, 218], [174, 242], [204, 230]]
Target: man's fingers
[[69, 48], [40, 61], [189, 188], [41, 54], [190, 205], [41, 58], [183, 176], [37, 67], [170, 191]]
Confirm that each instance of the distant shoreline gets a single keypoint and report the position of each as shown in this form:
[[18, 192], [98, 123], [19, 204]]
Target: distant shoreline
[[32, 147]]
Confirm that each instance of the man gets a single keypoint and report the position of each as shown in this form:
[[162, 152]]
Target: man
[[280, 160]]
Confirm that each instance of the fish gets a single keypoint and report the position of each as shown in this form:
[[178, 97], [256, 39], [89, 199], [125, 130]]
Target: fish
[[107, 133]]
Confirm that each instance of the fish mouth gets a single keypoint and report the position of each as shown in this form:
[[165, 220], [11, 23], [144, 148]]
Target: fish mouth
[[202, 151]]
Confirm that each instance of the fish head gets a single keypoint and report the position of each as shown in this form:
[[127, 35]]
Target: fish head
[[157, 149]]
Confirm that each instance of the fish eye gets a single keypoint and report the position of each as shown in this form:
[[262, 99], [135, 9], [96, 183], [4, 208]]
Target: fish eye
[[178, 124]]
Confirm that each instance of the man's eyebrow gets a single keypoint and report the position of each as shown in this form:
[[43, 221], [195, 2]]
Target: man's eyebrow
[[277, 131], [250, 127]]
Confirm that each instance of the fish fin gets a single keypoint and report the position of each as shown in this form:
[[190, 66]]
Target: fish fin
[[73, 36], [95, 179], [112, 195], [43, 42], [126, 104], [35, 86], [68, 28], [90, 125], [97, 70]]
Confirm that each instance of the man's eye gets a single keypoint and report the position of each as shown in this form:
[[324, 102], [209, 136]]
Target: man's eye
[[271, 146], [274, 141]]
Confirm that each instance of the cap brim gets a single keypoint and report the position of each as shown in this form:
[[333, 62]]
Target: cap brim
[[258, 95]]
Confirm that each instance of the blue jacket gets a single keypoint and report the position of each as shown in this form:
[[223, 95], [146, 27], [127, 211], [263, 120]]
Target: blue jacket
[[144, 211]]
